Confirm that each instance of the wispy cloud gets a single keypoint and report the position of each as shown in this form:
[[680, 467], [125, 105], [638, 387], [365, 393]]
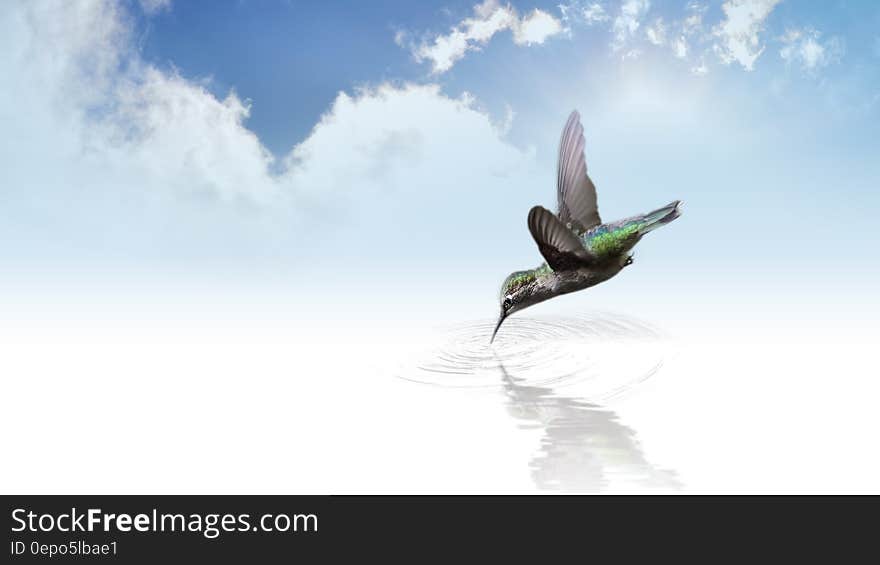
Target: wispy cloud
[[680, 47], [689, 30], [693, 22], [700, 68], [679, 35], [656, 32], [628, 21], [806, 48], [739, 33], [737, 38], [595, 13], [154, 6], [583, 13], [489, 18]]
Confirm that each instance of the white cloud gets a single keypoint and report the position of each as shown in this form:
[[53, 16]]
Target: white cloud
[[691, 29], [739, 33], [680, 47], [182, 136], [400, 38], [77, 71], [102, 148], [471, 34], [656, 32], [806, 48], [445, 51], [677, 34], [693, 23], [588, 14], [595, 13], [389, 137], [628, 21], [535, 28], [736, 38]]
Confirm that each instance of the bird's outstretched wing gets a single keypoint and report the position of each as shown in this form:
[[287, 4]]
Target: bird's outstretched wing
[[574, 189], [558, 244]]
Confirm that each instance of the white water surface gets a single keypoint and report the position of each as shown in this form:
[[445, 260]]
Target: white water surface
[[264, 392]]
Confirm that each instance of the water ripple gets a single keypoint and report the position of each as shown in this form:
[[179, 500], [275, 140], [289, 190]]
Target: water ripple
[[603, 353]]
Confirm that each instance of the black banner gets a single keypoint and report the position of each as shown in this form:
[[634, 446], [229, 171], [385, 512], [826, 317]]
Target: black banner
[[268, 529]]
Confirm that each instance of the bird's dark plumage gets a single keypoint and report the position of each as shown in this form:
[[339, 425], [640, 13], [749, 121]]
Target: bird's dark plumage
[[558, 244]]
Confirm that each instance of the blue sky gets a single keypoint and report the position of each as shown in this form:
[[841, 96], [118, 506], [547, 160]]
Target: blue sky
[[292, 58], [410, 137]]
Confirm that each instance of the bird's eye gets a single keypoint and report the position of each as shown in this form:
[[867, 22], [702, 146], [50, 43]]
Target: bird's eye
[[506, 303]]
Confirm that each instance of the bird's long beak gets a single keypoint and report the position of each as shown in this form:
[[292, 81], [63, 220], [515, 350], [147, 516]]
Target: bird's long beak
[[500, 320]]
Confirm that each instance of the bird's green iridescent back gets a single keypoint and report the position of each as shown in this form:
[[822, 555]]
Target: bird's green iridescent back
[[611, 240]]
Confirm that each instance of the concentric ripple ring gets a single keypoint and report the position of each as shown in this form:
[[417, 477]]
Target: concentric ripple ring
[[603, 353]]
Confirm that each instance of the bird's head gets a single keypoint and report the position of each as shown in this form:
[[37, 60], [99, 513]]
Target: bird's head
[[516, 294]]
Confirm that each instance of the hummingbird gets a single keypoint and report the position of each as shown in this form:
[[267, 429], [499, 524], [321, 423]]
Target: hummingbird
[[578, 249]]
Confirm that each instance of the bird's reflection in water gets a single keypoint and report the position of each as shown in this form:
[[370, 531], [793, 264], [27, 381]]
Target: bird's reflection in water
[[584, 446], [593, 357]]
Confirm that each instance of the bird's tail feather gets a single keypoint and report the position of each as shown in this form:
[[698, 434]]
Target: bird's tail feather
[[660, 217]]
